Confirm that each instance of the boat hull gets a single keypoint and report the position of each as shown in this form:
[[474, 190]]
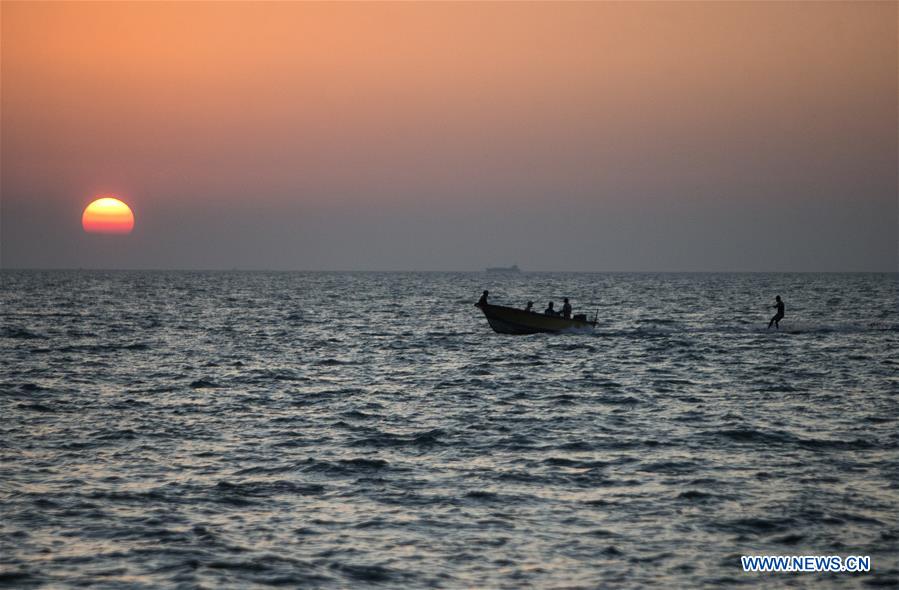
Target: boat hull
[[509, 320]]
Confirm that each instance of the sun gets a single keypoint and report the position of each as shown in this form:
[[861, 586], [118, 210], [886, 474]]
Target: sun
[[107, 215]]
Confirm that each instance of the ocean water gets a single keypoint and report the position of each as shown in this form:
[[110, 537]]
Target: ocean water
[[337, 430]]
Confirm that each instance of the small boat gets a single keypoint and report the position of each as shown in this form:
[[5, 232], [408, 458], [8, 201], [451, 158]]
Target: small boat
[[513, 268], [510, 320]]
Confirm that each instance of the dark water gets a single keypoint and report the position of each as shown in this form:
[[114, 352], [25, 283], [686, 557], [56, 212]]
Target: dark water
[[345, 430]]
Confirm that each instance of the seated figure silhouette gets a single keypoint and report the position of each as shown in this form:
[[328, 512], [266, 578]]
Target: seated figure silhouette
[[483, 299], [550, 311]]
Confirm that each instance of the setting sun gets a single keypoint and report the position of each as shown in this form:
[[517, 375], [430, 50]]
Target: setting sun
[[107, 215]]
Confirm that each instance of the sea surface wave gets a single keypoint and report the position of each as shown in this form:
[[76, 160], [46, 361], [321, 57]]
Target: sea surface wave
[[255, 429]]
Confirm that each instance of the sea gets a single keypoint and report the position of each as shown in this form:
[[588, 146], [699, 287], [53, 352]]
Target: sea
[[349, 430]]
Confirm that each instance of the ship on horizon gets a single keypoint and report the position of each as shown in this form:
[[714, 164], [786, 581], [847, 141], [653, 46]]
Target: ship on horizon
[[513, 268]]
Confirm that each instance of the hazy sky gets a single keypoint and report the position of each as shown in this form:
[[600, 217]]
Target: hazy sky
[[575, 136]]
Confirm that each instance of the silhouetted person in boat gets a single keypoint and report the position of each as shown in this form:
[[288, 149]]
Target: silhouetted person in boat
[[483, 299], [775, 321], [529, 306], [566, 309], [550, 311]]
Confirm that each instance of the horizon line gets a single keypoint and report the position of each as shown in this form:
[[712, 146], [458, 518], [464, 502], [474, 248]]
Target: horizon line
[[456, 271]]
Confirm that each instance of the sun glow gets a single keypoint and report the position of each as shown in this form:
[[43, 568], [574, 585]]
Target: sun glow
[[107, 215]]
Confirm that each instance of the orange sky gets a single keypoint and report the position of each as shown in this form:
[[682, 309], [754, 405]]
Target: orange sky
[[298, 107]]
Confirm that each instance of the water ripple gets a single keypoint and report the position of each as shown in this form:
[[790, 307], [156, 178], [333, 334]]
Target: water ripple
[[367, 429]]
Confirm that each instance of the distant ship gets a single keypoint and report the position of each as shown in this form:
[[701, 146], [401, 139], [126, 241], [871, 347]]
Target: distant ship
[[513, 268]]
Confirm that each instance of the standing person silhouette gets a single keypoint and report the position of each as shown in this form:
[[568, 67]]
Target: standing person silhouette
[[566, 309], [775, 321]]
